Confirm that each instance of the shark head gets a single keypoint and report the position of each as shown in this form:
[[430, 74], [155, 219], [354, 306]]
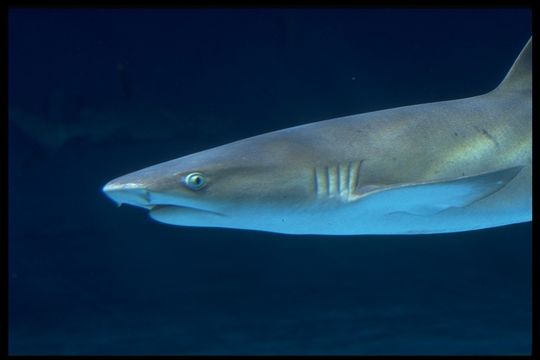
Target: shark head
[[227, 186]]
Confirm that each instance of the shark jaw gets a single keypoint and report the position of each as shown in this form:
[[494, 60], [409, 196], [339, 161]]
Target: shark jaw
[[160, 206]]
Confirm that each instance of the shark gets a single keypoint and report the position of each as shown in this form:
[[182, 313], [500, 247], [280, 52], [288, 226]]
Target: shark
[[439, 167]]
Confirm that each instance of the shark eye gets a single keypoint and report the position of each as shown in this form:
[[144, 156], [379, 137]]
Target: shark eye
[[195, 181]]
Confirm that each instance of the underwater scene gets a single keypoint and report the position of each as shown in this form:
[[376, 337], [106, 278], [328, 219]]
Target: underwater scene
[[95, 94]]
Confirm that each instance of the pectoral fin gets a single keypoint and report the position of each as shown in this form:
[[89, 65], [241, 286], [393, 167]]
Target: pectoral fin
[[432, 197]]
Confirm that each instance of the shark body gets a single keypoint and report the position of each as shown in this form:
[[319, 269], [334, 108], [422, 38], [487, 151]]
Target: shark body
[[439, 167]]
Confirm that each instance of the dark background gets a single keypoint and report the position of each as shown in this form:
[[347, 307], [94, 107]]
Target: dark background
[[95, 94]]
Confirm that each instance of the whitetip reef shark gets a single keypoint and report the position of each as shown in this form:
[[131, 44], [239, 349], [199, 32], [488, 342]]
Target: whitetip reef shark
[[439, 167]]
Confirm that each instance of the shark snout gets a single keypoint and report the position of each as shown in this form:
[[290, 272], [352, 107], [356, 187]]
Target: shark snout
[[128, 193]]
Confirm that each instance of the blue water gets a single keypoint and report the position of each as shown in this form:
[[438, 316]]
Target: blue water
[[94, 94]]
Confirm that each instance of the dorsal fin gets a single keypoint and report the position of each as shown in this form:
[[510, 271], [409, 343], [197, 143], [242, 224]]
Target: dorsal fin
[[519, 78]]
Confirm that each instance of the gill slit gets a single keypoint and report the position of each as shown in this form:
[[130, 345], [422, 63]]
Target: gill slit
[[337, 181]]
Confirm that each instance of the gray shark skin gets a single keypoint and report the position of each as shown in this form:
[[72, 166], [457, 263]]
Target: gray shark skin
[[439, 167]]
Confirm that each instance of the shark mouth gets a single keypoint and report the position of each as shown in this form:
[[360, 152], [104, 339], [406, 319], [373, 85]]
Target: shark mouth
[[158, 204], [179, 209], [181, 215]]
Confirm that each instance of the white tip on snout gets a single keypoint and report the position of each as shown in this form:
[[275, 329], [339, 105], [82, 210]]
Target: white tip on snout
[[127, 193]]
